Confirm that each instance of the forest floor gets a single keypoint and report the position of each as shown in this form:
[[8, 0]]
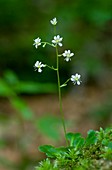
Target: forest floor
[[19, 139]]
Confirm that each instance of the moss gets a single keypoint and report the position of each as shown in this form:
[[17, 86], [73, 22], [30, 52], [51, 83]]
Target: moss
[[93, 152]]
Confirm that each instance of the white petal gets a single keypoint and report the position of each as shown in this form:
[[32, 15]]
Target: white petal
[[52, 22], [72, 79], [55, 37], [40, 70], [76, 74], [35, 40], [36, 64], [64, 54], [60, 44], [67, 59], [58, 36], [73, 76], [53, 41], [79, 76], [71, 54], [78, 82], [55, 20]]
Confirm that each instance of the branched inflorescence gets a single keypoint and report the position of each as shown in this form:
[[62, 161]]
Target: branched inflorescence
[[67, 54]]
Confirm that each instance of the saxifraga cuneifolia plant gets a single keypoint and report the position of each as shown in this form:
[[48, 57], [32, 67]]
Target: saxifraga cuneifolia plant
[[67, 54]]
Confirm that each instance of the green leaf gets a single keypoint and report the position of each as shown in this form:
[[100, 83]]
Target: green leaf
[[105, 142], [52, 151], [79, 142], [91, 138], [48, 149], [33, 88], [63, 85], [11, 77], [49, 125], [62, 150], [22, 107], [110, 145], [72, 137], [5, 90]]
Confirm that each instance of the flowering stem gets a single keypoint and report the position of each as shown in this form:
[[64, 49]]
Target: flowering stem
[[60, 98]]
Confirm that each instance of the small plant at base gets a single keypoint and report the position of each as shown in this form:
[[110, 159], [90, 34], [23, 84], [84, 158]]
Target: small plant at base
[[93, 152]]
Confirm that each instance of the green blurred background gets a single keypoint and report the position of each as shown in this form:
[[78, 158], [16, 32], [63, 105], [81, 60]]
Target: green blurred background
[[87, 30]]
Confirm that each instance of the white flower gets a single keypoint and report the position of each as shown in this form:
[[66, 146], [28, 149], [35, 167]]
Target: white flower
[[38, 65], [57, 40], [76, 79], [67, 55], [53, 21], [37, 42]]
